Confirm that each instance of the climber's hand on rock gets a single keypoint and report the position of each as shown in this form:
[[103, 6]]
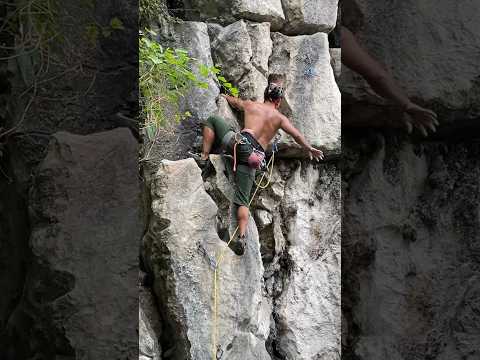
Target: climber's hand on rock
[[315, 154], [420, 118]]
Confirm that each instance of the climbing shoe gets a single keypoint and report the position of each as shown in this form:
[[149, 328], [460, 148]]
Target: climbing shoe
[[205, 165], [238, 245]]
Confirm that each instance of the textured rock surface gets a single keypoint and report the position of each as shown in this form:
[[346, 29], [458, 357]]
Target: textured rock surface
[[299, 224], [181, 242], [85, 205], [242, 50], [225, 111], [429, 48], [309, 16], [312, 99], [298, 239], [220, 11], [308, 310], [411, 231]]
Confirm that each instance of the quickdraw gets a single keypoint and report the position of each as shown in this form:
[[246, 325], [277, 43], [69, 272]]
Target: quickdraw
[[257, 158]]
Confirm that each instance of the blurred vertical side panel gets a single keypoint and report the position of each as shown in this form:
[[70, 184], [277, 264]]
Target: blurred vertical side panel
[[411, 224], [70, 207]]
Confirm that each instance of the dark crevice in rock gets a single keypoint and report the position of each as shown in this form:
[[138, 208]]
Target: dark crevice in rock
[[177, 8], [280, 281]]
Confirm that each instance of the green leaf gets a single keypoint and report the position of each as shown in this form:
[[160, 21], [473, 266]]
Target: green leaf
[[203, 85], [190, 76], [228, 85], [222, 79], [116, 24], [204, 70], [151, 131]]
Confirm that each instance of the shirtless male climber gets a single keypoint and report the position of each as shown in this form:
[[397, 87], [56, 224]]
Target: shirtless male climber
[[262, 121]]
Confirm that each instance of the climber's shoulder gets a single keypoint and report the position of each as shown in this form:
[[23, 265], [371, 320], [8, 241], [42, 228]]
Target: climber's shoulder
[[280, 117], [249, 104]]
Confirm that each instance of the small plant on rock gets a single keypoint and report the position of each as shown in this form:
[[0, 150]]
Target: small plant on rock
[[166, 75]]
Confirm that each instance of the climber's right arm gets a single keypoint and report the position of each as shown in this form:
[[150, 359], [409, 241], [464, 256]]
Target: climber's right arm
[[288, 127], [235, 102], [355, 57]]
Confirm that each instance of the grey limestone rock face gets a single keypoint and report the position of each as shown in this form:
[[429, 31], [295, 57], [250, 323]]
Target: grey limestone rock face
[[226, 112], [312, 99], [84, 213], [298, 240], [260, 11], [182, 244], [227, 12], [309, 16], [308, 309], [242, 50]]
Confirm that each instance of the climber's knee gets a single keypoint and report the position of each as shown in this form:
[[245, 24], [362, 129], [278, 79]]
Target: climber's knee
[[210, 123], [242, 213], [218, 125]]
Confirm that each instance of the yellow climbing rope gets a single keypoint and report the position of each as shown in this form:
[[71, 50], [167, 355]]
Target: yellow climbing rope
[[220, 258]]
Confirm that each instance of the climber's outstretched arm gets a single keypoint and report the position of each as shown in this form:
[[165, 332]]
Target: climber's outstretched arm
[[288, 127], [359, 60], [235, 102]]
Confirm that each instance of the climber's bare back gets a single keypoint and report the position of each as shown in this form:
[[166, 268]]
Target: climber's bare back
[[262, 121]]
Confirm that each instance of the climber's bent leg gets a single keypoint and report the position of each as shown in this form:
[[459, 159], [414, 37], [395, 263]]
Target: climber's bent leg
[[208, 140], [215, 130], [242, 217], [244, 179]]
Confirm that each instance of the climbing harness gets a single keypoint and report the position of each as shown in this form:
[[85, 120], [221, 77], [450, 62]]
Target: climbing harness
[[217, 351], [256, 160]]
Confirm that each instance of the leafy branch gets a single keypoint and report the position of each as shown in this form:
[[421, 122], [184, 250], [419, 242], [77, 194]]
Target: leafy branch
[[166, 75]]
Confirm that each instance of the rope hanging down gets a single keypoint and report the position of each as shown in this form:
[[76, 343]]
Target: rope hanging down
[[220, 257]]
